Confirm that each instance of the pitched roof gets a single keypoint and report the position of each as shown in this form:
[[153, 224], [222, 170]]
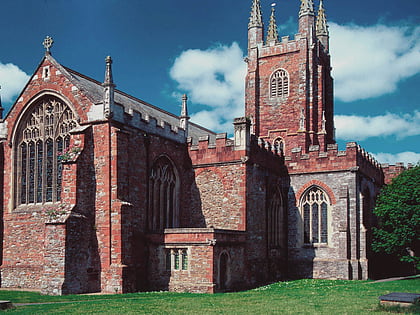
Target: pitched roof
[[94, 91]]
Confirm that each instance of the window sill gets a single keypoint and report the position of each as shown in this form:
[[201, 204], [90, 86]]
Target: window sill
[[316, 245]]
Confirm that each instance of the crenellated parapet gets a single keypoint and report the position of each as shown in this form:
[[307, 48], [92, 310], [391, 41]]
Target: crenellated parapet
[[369, 166], [149, 124], [221, 150], [392, 171], [242, 148], [267, 146], [354, 158], [286, 45], [268, 155]]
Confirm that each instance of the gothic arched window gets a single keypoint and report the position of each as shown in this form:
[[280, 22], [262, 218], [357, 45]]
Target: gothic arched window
[[314, 207], [279, 84], [275, 221], [163, 198], [279, 145], [42, 135]]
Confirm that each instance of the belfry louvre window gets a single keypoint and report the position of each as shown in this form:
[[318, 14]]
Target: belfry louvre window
[[279, 84], [42, 136], [163, 195], [314, 207]]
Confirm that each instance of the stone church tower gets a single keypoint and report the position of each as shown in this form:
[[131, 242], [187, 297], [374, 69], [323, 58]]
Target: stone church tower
[[289, 89], [289, 99]]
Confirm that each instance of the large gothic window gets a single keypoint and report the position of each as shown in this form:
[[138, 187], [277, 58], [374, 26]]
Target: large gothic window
[[314, 207], [279, 84], [275, 221], [43, 134], [163, 198]]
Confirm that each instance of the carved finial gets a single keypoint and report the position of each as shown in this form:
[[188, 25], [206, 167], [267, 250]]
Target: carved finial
[[255, 20], [184, 118], [48, 42], [321, 21], [109, 89], [184, 110], [108, 72], [273, 35], [306, 8], [1, 106]]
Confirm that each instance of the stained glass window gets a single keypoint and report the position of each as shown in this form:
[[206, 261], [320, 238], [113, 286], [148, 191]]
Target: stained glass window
[[184, 259], [275, 221], [163, 198], [176, 259], [42, 136], [314, 208]]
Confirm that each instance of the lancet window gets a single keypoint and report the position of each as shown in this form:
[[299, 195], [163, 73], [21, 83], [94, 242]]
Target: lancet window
[[279, 145], [275, 221], [163, 198], [315, 206], [43, 135], [279, 84]]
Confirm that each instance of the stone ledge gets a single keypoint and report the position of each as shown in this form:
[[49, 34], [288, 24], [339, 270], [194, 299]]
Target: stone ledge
[[399, 299]]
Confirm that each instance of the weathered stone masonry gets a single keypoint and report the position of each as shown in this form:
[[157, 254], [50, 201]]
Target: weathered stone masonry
[[103, 192]]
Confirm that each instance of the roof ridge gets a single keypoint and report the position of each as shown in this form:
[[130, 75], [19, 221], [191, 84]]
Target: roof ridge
[[72, 71], [74, 74]]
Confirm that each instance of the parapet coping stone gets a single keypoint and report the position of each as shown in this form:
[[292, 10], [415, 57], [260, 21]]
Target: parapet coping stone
[[400, 298]]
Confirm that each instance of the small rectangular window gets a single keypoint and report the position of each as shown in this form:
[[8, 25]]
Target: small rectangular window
[[176, 259], [184, 260]]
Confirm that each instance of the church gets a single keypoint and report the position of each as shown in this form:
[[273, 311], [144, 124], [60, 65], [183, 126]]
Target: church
[[103, 192]]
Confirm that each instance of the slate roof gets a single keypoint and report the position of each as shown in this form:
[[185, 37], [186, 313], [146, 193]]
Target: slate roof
[[94, 91]]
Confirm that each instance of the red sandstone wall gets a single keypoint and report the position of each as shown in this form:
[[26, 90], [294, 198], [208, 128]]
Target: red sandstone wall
[[24, 227], [392, 171], [310, 89], [220, 196], [218, 193]]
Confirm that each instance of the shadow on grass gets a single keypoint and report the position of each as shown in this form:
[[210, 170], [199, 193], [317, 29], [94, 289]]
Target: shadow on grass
[[413, 309]]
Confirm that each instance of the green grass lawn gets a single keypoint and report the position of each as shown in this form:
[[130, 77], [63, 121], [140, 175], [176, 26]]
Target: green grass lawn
[[293, 297]]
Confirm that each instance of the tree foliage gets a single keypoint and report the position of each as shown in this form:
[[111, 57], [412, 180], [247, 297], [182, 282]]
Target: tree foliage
[[398, 212]]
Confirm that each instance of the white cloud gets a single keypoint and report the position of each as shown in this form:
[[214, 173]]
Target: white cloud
[[12, 81], [351, 127], [404, 157], [214, 78], [370, 61]]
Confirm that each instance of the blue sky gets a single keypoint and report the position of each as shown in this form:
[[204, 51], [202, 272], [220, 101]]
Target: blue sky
[[162, 49]]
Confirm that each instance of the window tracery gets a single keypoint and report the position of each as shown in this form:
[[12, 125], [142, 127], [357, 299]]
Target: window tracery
[[279, 84], [314, 207], [275, 221], [43, 135], [163, 198]]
